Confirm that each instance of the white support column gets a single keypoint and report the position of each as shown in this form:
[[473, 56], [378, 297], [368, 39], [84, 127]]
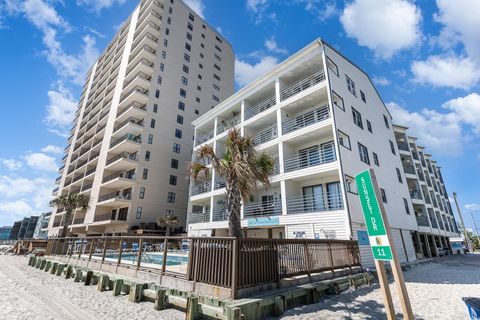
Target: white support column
[[283, 190]]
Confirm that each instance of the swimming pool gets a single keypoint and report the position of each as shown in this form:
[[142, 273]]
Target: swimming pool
[[152, 258]]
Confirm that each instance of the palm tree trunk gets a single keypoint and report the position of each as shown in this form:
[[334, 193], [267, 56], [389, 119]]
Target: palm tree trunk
[[66, 223], [233, 207]]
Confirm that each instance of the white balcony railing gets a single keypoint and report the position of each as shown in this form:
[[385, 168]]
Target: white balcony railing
[[260, 107], [306, 119], [312, 158], [314, 203], [302, 85]]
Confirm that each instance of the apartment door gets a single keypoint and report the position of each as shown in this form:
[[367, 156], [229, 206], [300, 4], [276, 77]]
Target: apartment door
[[334, 196], [328, 152], [313, 198], [309, 157]]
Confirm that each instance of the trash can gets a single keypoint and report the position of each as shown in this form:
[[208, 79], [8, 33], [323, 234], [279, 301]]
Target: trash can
[[473, 305]]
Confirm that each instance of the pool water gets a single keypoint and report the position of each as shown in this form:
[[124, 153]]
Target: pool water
[[152, 258]]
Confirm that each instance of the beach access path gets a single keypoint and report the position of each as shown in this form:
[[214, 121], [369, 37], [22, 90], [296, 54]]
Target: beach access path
[[29, 293], [435, 290]]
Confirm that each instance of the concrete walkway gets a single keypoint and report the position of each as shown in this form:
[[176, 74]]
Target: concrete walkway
[[28, 293]]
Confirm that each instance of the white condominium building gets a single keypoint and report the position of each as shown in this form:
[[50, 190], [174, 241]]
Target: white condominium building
[[435, 219], [321, 118], [132, 136]]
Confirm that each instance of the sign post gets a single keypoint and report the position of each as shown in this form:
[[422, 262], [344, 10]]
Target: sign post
[[381, 241]]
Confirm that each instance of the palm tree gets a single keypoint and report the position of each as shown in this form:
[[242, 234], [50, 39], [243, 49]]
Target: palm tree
[[70, 202], [242, 168], [168, 222]]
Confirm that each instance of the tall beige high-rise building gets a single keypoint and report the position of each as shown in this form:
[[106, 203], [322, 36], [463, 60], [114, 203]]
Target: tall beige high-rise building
[[132, 136]]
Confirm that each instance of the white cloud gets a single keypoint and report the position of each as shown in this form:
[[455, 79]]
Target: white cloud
[[15, 210], [384, 26], [454, 72], [41, 161], [473, 207], [20, 186], [61, 110], [381, 81], [467, 109], [246, 72], [11, 164], [439, 132], [259, 11], [196, 5], [98, 5], [322, 9], [52, 149], [273, 47], [257, 5]]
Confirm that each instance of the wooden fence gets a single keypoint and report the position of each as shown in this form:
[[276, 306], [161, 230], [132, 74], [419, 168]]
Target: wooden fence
[[224, 262]]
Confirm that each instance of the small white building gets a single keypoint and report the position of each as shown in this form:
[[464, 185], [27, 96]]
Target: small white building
[[322, 119]]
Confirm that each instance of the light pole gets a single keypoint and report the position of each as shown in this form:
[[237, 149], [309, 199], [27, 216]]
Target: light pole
[[467, 239]]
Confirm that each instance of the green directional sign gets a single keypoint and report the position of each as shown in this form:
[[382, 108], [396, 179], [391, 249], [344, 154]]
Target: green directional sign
[[377, 233]]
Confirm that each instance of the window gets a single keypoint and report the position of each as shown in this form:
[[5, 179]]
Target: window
[[190, 26], [197, 99], [184, 81], [375, 159], [218, 39], [217, 57], [202, 45], [155, 108], [162, 67], [179, 119], [164, 54], [167, 31], [363, 151], [216, 77], [169, 212], [145, 174], [171, 197], [201, 55], [203, 35], [215, 98], [200, 66], [405, 203], [176, 147], [384, 195], [181, 105], [188, 46], [157, 93], [139, 213], [152, 123], [159, 80], [183, 93], [150, 138], [165, 42], [337, 100], [216, 87], [332, 66], [399, 175], [173, 180], [385, 119], [344, 140], [186, 57], [185, 69], [362, 95], [197, 112], [141, 195], [217, 67], [147, 155], [178, 133], [357, 118], [199, 88], [189, 36], [351, 85], [350, 184], [174, 164], [200, 77], [392, 146], [191, 17], [170, 10], [218, 48], [369, 126], [169, 20]]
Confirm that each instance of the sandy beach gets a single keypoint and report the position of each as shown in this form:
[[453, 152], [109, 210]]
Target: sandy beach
[[435, 290], [28, 293]]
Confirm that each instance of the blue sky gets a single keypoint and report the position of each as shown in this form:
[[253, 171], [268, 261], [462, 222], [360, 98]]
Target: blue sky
[[424, 57]]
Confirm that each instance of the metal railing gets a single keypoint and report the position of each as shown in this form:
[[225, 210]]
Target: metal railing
[[103, 217], [230, 263], [78, 220], [124, 175], [409, 169], [114, 195], [403, 146], [324, 155], [201, 187], [203, 138], [306, 119], [123, 155], [127, 136], [416, 194], [422, 221], [87, 186], [260, 107], [132, 105], [262, 208], [199, 217], [265, 136], [314, 203], [302, 85], [227, 124], [133, 120], [219, 214], [432, 220], [220, 183]]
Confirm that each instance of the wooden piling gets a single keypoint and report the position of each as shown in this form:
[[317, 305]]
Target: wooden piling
[[160, 295], [102, 283], [78, 275], [192, 308], [88, 277], [117, 287], [68, 272]]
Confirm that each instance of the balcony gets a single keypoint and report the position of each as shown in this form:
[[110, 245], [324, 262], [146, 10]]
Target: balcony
[[199, 217], [310, 157], [422, 220], [219, 214], [145, 66], [130, 125], [119, 180], [262, 209], [87, 187], [139, 80], [403, 146], [138, 94], [122, 162], [306, 119], [260, 107], [114, 199], [128, 143], [78, 221], [314, 203], [265, 136], [302, 85], [224, 125], [133, 110], [204, 138], [103, 217], [409, 169], [201, 187], [220, 182]]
